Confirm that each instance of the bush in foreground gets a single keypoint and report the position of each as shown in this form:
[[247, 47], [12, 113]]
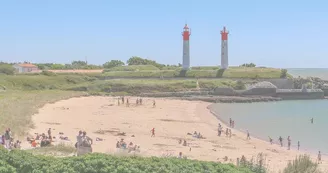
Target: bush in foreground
[[302, 164], [23, 162]]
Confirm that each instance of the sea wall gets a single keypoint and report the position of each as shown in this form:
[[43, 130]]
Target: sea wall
[[325, 91], [260, 91], [299, 94]]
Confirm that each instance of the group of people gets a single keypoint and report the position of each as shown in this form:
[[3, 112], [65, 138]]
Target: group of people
[[45, 140], [138, 101], [82, 140], [197, 135], [131, 147], [8, 142], [228, 132]]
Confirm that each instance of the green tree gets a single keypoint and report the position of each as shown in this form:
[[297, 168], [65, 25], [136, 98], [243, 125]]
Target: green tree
[[7, 69], [57, 66], [113, 63], [283, 73], [248, 65], [135, 60]]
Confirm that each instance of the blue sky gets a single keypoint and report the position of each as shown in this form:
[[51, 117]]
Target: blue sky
[[268, 33]]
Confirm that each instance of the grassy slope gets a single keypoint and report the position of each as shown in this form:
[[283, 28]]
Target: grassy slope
[[211, 72]]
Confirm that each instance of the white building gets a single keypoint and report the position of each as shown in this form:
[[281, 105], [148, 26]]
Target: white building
[[25, 68]]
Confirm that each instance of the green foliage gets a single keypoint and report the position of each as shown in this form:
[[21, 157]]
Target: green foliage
[[248, 65], [135, 60], [256, 165], [302, 164], [240, 85], [283, 73], [48, 73], [7, 69], [205, 68], [133, 68], [25, 162], [113, 63]]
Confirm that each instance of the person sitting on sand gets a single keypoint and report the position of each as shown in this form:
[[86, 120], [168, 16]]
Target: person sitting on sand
[[154, 103], [137, 149], [118, 145], [33, 143], [99, 139], [180, 155], [184, 143], [17, 144], [180, 141], [195, 134], [130, 147], [152, 132]]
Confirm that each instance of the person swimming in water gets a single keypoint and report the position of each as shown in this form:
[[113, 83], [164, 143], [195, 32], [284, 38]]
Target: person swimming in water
[[311, 120]]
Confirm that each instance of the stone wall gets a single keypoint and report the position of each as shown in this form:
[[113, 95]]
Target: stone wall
[[224, 92], [260, 91], [176, 94], [281, 83], [325, 91], [298, 94]]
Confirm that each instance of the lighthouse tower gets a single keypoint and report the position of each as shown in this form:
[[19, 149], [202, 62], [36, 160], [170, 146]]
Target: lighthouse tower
[[224, 49], [186, 51]]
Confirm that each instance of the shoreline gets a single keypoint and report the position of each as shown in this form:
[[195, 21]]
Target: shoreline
[[99, 112], [307, 151]]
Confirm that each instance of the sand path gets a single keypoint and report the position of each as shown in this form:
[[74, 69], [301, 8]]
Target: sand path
[[172, 120]]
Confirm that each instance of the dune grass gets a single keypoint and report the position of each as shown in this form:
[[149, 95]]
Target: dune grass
[[17, 107]]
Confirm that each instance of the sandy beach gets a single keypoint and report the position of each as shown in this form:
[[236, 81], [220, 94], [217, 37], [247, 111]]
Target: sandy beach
[[101, 117]]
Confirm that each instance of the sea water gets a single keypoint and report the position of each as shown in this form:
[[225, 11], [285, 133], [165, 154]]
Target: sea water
[[309, 72], [282, 118]]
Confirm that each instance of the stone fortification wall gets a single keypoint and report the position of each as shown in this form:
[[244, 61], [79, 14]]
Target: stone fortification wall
[[260, 91], [224, 92], [299, 94], [325, 91], [282, 83]]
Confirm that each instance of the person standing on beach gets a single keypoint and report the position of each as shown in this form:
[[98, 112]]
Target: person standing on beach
[[289, 142], [230, 122], [122, 99], [298, 145], [319, 158], [271, 140], [248, 135], [127, 102], [152, 132], [280, 140], [154, 103]]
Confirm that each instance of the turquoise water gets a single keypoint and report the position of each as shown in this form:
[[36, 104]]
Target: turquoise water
[[312, 72], [285, 118]]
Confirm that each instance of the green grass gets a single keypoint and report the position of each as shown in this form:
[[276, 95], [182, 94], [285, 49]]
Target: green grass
[[237, 72], [17, 107], [25, 162], [133, 68]]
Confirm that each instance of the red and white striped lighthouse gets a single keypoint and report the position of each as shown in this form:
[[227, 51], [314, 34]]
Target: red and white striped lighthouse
[[186, 51], [224, 49]]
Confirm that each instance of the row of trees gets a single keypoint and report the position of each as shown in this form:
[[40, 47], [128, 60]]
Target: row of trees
[[135, 60]]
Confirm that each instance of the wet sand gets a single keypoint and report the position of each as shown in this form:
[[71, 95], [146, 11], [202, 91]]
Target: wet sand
[[172, 119]]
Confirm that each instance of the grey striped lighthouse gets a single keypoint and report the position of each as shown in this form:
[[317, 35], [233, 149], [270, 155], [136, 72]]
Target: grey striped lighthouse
[[186, 51], [224, 49]]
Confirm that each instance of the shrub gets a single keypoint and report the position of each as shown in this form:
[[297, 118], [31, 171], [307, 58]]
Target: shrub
[[283, 73], [25, 162], [240, 85], [302, 164], [7, 69], [48, 73]]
